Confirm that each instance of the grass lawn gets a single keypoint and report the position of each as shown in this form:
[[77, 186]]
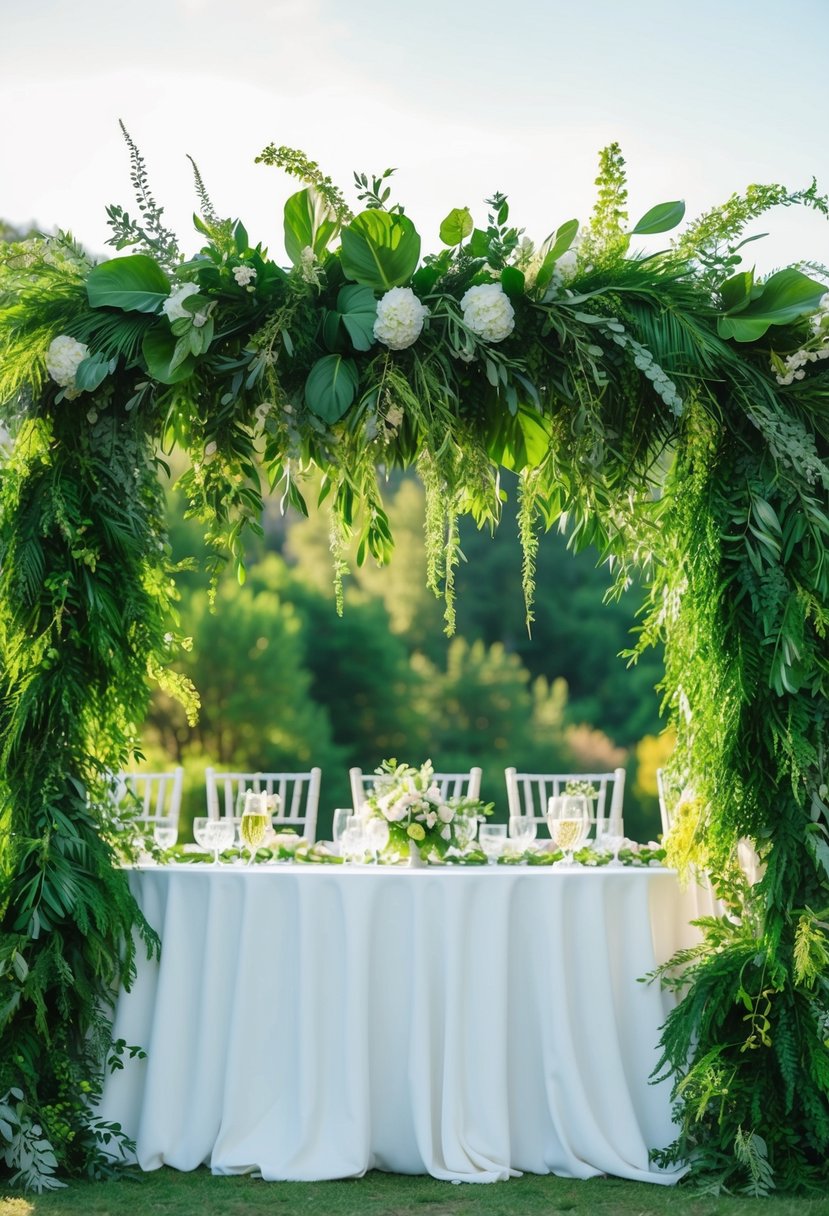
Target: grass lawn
[[169, 1193]]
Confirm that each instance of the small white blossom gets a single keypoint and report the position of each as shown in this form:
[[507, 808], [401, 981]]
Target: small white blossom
[[244, 275], [63, 358], [199, 319], [172, 306], [308, 266], [210, 450], [487, 311], [400, 317]]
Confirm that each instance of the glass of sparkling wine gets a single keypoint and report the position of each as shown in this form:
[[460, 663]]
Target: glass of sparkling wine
[[568, 818], [255, 821]]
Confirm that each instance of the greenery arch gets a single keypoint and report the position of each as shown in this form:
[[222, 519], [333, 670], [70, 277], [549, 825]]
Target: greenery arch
[[665, 406]]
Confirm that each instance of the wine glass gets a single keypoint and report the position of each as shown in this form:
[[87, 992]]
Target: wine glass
[[165, 833], [255, 821], [522, 829], [568, 818], [219, 835], [201, 832], [610, 837], [492, 837]]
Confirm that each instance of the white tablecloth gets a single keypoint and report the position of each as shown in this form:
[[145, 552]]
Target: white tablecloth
[[313, 1023]]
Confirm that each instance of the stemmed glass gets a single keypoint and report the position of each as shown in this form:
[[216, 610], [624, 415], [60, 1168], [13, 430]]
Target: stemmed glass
[[165, 833], [609, 836], [219, 835], [568, 818], [255, 821], [522, 829], [492, 837]]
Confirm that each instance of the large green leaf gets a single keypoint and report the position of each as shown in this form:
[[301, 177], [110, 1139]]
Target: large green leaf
[[358, 307], [661, 218], [92, 371], [380, 250], [331, 387], [784, 297], [163, 356], [309, 222], [457, 226], [133, 284]]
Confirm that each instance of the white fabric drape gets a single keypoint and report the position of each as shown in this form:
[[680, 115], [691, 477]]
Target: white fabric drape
[[314, 1023]]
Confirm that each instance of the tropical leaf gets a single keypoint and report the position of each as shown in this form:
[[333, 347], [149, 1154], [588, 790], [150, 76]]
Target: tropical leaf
[[380, 250], [309, 223], [331, 387], [134, 284]]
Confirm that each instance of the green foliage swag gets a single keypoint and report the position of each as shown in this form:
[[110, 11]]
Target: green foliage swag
[[661, 405]]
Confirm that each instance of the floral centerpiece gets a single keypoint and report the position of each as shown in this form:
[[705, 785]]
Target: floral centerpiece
[[410, 802]]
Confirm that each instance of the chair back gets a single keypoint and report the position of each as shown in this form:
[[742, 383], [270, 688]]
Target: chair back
[[529, 793], [451, 785], [298, 793], [157, 795]]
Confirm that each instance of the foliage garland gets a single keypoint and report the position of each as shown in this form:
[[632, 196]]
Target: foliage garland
[[670, 409]]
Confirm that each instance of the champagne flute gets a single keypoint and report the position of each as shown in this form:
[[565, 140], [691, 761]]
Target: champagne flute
[[255, 820], [492, 837], [568, 818]]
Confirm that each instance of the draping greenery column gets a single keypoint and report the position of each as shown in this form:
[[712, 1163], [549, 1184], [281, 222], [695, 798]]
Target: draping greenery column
[[86, 605], [667, 408]]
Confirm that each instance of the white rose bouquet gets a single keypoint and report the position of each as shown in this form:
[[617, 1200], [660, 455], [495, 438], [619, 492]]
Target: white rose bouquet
[[409, 800]]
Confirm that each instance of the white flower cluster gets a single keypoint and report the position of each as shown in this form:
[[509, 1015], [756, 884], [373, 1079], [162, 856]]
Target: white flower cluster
[[63, 358], [172, 306], [400, 317], [411, 795], [794, 366], [244, 275], [487, 311]]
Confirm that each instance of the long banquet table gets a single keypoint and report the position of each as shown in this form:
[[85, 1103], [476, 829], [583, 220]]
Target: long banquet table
[[315, 1022]]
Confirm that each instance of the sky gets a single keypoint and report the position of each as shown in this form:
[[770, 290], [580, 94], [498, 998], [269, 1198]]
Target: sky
[[462, 98]]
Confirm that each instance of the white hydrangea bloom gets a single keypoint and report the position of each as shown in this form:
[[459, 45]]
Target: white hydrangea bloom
[[565, 266], [63, 358], [172, 306], [244, 275], [400, 317], [487, 311]]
